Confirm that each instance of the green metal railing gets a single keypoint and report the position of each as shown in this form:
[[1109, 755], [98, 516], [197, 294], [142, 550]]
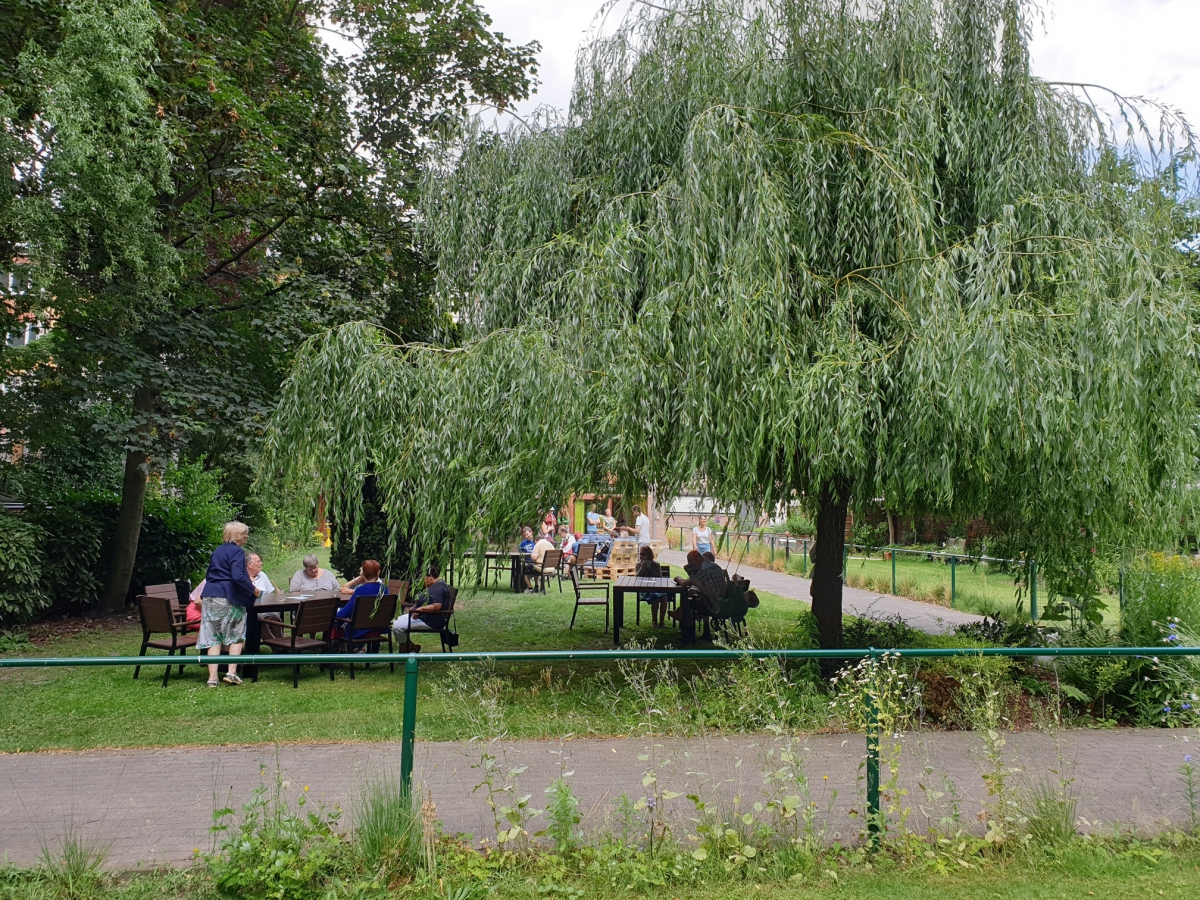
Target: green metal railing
[[412, 664]]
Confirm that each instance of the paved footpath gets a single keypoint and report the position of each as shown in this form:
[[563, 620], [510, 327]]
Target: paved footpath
[[927, 617], [154, 807]]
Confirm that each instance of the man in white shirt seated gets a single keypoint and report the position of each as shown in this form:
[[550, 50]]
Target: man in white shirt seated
[[567, 544], [269, 621], [312, 577], [534, 567]]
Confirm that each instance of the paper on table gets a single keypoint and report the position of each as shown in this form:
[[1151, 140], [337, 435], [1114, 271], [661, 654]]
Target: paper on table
[[300, 596]]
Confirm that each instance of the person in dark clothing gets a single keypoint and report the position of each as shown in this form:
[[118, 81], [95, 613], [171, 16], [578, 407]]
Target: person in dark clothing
[[707, 583], [648, 567], [430, 612], [369, 586], [228, 596]]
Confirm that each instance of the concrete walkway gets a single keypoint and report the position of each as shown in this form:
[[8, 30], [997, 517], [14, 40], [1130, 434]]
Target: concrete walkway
[[154, 807], [927, 617]]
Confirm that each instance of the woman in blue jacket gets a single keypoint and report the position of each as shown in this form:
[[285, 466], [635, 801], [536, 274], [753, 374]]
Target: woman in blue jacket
[[228, 597]]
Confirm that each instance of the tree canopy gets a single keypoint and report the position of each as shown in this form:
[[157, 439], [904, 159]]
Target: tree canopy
[[195, 187], [792, 249]]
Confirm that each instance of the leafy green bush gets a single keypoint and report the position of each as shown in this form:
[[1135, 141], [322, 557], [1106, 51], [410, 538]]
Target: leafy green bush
[[77, 528], [274, 852], [181, 524], [374, 540], [800, 522], [1159, 588], [21, 590]]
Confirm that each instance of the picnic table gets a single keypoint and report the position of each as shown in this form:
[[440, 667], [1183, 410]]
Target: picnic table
[[636, 585]]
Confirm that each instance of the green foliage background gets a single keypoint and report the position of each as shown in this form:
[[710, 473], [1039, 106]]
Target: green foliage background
[[782, 250]]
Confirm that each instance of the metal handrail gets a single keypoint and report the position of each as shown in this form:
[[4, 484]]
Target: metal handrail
[[412, 662]]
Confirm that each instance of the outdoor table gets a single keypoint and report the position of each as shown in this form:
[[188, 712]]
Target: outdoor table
[[643, 586], [516, 574]]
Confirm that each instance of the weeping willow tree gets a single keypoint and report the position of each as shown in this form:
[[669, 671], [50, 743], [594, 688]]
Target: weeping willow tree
[[798, 249]]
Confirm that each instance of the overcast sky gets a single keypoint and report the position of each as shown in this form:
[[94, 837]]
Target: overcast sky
[[1135, 47]]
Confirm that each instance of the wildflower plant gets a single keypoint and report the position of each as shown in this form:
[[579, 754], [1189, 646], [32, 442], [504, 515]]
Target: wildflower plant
[[880, 697], [1174, 689]]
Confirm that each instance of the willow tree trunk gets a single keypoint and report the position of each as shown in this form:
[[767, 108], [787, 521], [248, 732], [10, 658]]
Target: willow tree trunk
[[826, 589], [129, 519]]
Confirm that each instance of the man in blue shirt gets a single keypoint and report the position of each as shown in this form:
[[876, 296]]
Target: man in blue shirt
[[527, 544]]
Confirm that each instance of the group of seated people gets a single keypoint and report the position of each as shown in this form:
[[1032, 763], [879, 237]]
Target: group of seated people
[[535, 551], [430, 612], [706, 582]]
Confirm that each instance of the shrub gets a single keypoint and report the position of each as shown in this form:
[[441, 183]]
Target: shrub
[[800, 522], [182, 522], [1159, 588], [275, 852], [21, 592], [374, 540]]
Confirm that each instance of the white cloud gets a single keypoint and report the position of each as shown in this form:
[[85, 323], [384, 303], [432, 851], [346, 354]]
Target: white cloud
[[1135, 47]]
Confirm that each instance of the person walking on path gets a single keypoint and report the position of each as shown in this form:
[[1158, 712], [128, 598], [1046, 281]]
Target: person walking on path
[[702, 537], [228, 597]]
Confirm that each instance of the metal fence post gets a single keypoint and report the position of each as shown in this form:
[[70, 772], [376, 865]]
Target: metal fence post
[[893, 570], [408, 730], [787, 548], [1121, 588], [845, 560], [1033, 589], [953, 578], [873, 818], [806, 557], [772, 551]]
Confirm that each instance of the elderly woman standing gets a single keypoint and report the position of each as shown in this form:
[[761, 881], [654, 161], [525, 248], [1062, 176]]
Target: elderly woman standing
[[228, 597]]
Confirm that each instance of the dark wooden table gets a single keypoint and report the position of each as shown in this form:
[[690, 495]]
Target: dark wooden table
[[516, 577], [637, 585]]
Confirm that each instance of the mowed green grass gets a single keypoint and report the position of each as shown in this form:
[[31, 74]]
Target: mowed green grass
[[1073, 874], [84, 708]]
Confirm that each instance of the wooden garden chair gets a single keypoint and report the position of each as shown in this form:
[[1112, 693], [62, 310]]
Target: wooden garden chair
[[158, 617], [586, 595], [314, 617]]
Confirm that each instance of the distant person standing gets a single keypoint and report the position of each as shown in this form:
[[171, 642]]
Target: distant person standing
[[227, 599], [641, 524], [610, 522], [702, 537], [549, 526], [593, 520]]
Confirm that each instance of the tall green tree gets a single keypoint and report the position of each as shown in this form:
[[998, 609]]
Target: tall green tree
[[792, 249], [197, 186]]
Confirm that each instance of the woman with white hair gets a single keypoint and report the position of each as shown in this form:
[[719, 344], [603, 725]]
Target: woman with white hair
[[227, 599]]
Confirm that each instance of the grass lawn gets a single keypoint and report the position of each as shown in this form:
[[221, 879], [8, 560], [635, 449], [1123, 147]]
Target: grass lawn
[[1074, 877], [1075, 872], [104, 707]]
